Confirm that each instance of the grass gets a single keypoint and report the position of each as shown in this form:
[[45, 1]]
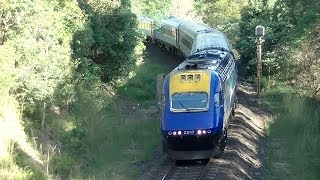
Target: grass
[[142, 87], [14, 162], [293, 141], [110, 136], [129, 134], [108, 132]]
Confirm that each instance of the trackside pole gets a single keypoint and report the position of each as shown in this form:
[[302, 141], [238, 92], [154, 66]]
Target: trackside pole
[[259, 67], [259, 32]]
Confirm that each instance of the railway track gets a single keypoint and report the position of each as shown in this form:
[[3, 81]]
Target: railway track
[[193, 170]]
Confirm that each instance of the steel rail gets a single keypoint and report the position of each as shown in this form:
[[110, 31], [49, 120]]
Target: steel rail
[[175, 170], [170, 172], [204, 169]]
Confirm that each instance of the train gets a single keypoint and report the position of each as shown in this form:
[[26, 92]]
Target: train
[[183, 37], [198, 98]]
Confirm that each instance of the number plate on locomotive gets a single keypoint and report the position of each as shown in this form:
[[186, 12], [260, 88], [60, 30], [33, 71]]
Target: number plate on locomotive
[[188, 132]]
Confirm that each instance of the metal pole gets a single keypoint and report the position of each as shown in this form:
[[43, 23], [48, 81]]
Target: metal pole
[[259, 66]]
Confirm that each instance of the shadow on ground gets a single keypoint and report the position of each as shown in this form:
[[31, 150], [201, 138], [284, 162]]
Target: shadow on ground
[[244, 153]]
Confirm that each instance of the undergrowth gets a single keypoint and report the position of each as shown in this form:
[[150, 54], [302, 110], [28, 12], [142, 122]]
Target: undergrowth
[[18, 158], [293, 141], [108, 132]]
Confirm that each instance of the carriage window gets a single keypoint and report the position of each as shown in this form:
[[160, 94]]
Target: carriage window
[[190, 101], [169, 33], [186, 43]]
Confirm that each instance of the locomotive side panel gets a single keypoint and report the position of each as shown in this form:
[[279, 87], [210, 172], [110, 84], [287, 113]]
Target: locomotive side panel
[[229, 90]]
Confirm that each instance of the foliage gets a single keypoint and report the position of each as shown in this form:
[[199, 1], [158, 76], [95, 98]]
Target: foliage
[[156, 9], [15, 151], [290, 57], [223, 15], [112, 129], [293, 137], [136, 89], [290, 50], [53, 53], [114, 38], [62, 164], [219, 12]]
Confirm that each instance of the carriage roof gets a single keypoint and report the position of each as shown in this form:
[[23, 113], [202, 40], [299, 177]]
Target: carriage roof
[[145, 19]]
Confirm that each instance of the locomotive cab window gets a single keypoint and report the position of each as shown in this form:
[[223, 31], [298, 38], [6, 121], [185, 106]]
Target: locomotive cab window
[[197, 101], [218, 99]]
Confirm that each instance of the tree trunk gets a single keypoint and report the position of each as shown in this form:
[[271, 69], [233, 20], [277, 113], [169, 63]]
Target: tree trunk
[[46, 76], [43, 114]]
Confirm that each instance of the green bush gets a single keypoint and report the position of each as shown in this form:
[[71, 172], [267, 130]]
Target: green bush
[[62, 164], [142, 87], [74, 140]]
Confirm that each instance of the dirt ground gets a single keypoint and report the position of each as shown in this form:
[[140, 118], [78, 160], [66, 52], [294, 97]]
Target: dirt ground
[[244, 153]]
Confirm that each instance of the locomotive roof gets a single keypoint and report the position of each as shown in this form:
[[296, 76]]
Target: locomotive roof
[[213, 60]]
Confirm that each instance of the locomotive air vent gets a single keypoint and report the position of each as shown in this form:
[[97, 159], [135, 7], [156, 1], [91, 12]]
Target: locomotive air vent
[[190, 77], [183, 77], [197, 77]]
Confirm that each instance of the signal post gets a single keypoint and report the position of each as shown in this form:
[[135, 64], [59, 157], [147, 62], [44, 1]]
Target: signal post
[[259, 32]]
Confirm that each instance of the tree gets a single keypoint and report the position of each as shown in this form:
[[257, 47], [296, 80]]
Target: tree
[[156, 9]]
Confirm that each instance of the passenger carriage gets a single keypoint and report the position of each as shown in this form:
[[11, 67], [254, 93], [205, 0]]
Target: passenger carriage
[[167, 35], [146, 27]]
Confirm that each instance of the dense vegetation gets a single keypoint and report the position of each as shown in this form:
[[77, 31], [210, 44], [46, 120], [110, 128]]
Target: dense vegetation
[[62, 63], [291, 68], [73, 83]]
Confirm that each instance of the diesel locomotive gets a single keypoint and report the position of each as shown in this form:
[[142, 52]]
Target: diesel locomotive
[[198, 97]]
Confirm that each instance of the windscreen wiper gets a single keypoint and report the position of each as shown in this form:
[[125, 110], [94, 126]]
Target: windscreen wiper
[[182, 105]]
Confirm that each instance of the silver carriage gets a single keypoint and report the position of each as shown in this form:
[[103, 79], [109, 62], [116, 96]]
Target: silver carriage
[[146, 26], [167, 34], [194, 37], [188, 37]]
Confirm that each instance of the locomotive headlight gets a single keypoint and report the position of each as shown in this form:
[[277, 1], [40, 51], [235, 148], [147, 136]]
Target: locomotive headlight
[[174, 133], [204, 132], [199, 132], [179, 132], [169, 133]]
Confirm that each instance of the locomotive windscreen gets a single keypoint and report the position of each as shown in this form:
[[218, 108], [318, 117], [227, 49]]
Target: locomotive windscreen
[[190, 101]]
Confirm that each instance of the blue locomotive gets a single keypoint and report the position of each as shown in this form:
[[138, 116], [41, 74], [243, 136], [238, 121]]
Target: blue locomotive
[[198, 97], [197, 103]]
